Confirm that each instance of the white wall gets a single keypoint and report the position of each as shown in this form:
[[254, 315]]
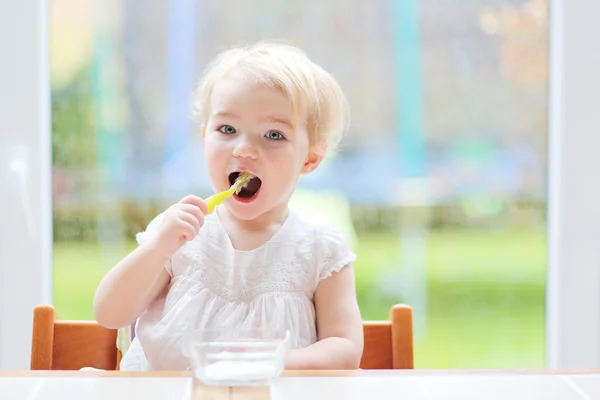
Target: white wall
[[573, 308], [25, 209]]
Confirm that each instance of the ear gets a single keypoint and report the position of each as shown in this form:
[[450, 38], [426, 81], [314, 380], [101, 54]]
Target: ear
[[203, 131], [312, 162]]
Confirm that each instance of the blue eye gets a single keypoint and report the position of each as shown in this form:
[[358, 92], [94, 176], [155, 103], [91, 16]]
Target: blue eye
[[227, 129], [274, 135]]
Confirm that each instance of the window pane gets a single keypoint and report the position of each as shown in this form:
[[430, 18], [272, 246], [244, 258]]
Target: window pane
[[440, 182]]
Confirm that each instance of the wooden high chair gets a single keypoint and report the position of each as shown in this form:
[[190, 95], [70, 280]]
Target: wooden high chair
[[71, 345]]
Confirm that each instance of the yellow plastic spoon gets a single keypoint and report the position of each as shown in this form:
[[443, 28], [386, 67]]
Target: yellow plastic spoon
[[218, 198]]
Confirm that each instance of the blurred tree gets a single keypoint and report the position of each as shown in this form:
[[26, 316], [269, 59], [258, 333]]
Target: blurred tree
[[523, 52], [70, 41], [524, 34], [73, 145]]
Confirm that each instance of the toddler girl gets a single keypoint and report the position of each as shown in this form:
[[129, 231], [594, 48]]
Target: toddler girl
[[266, 110]]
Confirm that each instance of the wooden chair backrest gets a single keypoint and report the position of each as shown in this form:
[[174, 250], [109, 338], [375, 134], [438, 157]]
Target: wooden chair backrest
[[71, 345], [389, 344]]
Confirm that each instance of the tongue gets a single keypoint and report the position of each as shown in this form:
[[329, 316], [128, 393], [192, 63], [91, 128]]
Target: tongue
[[253, 185]]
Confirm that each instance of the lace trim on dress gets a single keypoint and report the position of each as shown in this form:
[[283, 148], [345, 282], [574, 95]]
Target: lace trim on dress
[[338, 266]]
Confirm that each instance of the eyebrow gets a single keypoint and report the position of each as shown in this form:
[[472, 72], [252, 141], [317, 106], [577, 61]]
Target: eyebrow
[[226, 115], [278, 120]]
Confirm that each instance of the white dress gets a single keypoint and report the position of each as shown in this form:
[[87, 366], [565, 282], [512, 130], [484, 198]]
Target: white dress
[[213, 285]]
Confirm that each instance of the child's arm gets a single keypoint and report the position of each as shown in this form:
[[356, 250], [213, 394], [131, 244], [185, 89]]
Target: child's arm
[[339, 327], [129, 287]]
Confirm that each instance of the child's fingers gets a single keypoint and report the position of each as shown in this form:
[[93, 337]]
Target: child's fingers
[[192, 220], [189, 232], [193, 210], [195, 200]]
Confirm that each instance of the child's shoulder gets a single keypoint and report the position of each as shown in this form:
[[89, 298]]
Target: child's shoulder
[[328, 244], [318, 232]]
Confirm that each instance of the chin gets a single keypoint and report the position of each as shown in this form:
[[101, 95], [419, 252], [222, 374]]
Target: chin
[[248, 210], [243, 212]]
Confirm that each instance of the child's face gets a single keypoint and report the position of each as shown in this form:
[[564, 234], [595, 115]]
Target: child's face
[[249, 130]]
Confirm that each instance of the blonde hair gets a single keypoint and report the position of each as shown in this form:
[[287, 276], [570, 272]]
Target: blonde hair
[[312, 91]]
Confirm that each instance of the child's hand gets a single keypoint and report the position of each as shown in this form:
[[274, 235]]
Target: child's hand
[[181, 223]]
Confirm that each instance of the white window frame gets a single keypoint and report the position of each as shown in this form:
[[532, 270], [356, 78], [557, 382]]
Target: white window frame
[[573, 285], [25, 176], [573, 288]]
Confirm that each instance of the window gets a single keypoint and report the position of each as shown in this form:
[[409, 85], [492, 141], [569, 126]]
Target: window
[[440, 182]]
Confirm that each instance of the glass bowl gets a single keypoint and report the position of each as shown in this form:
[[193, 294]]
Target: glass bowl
[[238, 357]]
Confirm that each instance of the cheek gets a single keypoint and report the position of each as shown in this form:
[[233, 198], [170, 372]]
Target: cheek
[[213, 160], [286, 170], [213, 148]]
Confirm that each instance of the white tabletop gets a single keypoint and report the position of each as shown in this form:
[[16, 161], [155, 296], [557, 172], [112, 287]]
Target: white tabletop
[[453, 386], [150, 388]]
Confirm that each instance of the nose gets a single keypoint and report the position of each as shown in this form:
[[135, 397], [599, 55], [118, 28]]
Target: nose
[[245, 148]]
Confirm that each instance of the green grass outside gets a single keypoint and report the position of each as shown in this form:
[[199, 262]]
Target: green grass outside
[[486, 305]]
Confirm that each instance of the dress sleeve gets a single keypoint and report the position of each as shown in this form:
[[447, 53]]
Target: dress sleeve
[[335, 253], [151, 230]]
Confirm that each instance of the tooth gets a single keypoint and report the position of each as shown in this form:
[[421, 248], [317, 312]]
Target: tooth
[[239, 189], [248, 181]]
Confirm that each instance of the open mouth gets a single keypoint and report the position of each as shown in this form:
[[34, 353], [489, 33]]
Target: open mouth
[[249, 190]]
